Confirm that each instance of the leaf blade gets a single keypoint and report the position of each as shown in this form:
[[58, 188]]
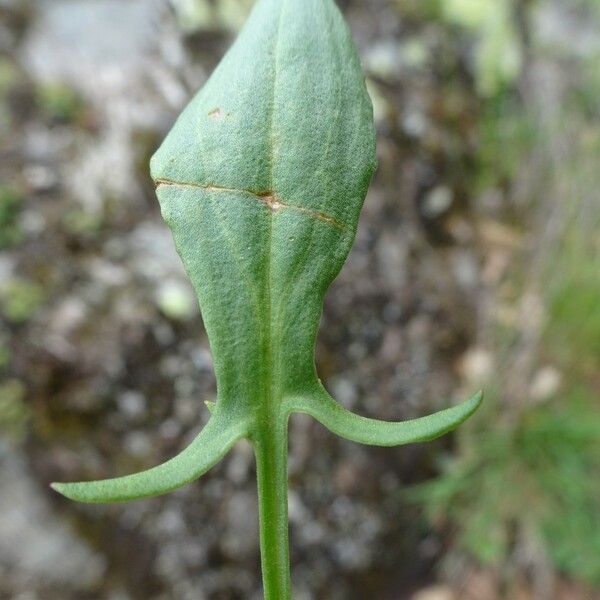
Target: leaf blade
[[286, 122]]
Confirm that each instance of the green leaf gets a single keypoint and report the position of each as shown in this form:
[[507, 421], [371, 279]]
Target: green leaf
[[262, 180]]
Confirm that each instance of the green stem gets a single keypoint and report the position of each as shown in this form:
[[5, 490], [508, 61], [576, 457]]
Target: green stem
[[271, 465]]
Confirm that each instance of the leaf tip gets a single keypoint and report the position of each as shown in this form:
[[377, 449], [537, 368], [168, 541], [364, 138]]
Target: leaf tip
[[61, 488], [79, 492]]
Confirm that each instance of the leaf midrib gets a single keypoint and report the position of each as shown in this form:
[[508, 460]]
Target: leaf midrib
[[270, 392]]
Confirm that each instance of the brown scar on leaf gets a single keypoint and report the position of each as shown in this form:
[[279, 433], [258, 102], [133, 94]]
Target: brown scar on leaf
[[268, 199]]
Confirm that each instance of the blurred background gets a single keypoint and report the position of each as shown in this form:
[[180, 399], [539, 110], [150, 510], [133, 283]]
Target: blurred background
[[476, 265]]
